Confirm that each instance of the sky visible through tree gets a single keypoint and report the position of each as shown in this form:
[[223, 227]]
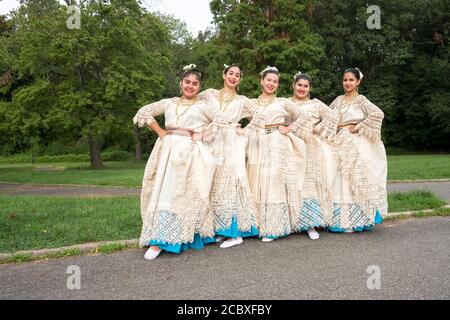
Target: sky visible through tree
[[196, 13]]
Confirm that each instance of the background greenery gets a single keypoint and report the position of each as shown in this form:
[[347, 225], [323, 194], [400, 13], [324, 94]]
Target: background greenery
[[68, 91], [73, 170]]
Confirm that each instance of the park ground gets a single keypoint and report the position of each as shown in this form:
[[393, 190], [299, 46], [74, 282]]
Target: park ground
[[52, 205]]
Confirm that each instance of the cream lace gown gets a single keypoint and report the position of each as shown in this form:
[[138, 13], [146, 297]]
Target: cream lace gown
[[360, 167], [316, 204], [276, 165], [178, 176], [231, 200]]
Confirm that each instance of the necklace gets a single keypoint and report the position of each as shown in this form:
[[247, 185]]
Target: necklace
[[346, 104], [264, 103], [225, 99], [301, 101], [184, 102]]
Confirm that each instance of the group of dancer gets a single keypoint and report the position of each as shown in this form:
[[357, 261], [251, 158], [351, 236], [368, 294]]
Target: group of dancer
[[298, 165]]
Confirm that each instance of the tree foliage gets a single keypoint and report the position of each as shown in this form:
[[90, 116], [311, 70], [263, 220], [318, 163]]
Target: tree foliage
[[75, 90]]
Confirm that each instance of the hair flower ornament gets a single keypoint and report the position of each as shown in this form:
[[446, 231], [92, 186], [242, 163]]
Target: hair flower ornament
[[298, 74], [189, 67], [360, 74], [269, 68]]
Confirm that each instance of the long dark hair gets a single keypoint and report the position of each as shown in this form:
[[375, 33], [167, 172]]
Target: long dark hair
[[355, 71], [234, 65], [302, 76], [268, 70]]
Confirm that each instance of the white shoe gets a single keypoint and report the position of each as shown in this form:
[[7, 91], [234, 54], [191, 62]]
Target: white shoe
[[267, 239], [349, 230], [152, 253], [219, 238], [231, 242], [313, 234]]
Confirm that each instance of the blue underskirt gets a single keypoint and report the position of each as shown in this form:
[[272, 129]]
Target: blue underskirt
[[197, 244], [311, 215], [276, 237], [378, 220], [234, 232]]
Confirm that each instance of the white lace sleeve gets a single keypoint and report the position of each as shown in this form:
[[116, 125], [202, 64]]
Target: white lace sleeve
[[146, 115], [303, 123], [248, 109], [205, 95], [215, 115], [327, 127], [335, 103], [371, 126]]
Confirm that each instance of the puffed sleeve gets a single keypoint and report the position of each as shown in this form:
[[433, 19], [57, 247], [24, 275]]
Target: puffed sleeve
[[249, 108], [303, 123], [371, 126], [335, 103], [146, 115], [205, 95], [327, 127]]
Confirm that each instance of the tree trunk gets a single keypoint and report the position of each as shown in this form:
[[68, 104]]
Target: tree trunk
[[137, 143], [94, 152]]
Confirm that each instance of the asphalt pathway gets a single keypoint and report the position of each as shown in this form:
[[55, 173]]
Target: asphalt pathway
[[411, 256], [441, 189]]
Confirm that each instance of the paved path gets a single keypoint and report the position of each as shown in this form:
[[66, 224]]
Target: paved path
[[442, 189], [413, 257], [65, 191]]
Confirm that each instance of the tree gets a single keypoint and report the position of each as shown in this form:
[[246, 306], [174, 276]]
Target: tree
[[396, 60], [260, 33], [88, 81]]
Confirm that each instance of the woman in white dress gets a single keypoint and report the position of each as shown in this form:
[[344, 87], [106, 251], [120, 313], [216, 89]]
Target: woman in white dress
[[359, 188], [276, 158], [178, 176], [231, 201], [316, 203]]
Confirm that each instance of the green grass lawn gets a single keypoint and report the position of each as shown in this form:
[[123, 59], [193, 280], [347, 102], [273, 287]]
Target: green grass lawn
[[413, 167], [129, 174], [36, 222], [413, 201], [126, 174]]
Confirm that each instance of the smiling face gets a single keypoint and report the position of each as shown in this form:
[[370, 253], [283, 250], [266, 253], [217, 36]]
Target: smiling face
[[350, 82], [190, 86], [232, 78], [270, 83], [301, 89]]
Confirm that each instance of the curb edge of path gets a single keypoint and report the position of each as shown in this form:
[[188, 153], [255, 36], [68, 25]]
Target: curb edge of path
[[139, 187], [418, 181], [94, 247], [85, 248]]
